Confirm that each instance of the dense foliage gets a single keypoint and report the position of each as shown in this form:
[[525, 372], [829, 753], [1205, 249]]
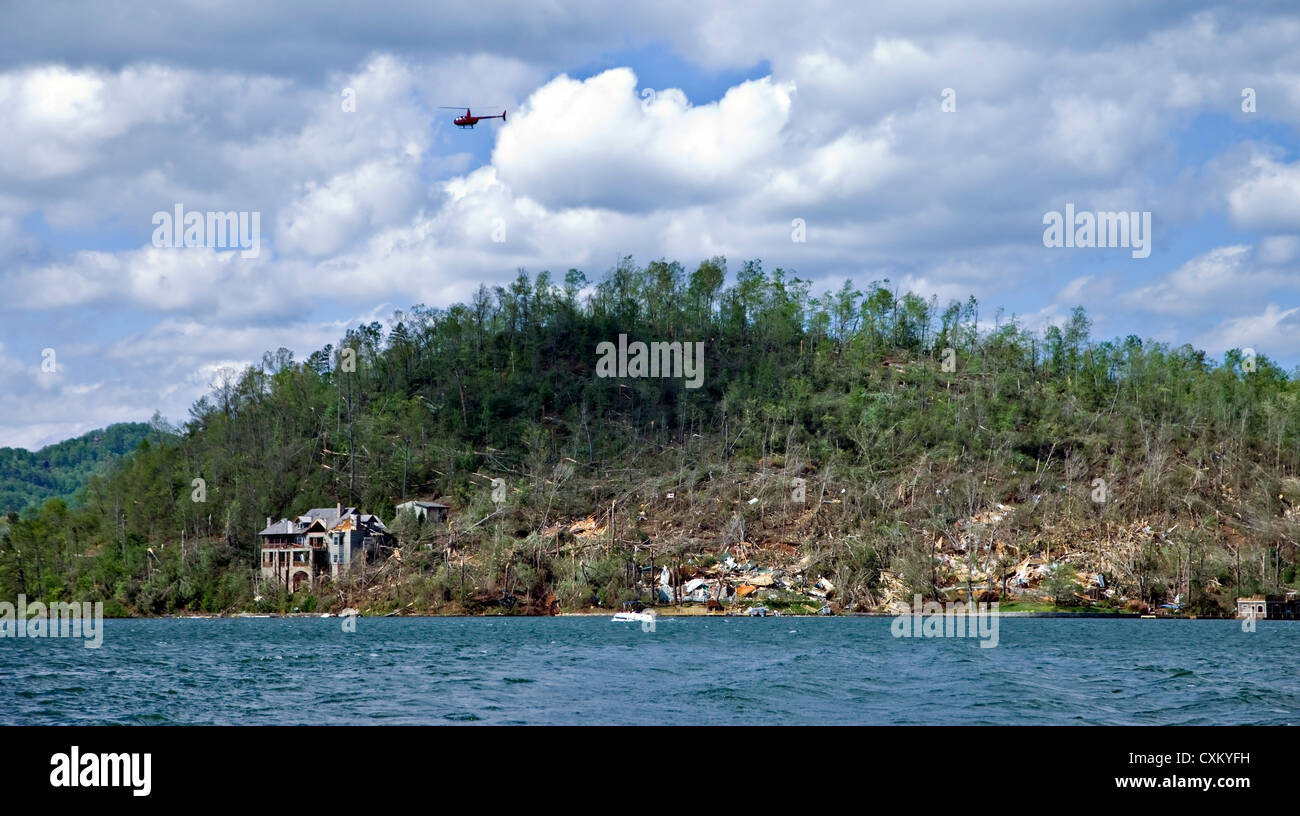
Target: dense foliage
[[57, 471], [848, 391]]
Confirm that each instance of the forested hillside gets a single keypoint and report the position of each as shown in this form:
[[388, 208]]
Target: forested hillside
[[58, 470], [929, 452]]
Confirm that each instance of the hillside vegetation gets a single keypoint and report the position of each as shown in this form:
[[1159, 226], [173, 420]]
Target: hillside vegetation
[[931, 454], [59, 470]]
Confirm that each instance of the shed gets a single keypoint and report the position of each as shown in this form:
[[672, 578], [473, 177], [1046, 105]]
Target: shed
[[425, 510]]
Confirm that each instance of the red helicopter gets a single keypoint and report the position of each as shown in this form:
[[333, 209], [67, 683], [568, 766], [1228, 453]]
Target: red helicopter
[[469, 120]]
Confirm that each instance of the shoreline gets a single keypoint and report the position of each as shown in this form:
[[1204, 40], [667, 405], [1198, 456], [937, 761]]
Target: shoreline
[[673, 614]]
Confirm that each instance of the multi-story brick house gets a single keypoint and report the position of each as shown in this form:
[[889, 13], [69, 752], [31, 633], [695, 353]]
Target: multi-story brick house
[[299, 552]]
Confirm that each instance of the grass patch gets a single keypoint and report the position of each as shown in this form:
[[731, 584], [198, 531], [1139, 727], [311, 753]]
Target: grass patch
[[1047, 606]]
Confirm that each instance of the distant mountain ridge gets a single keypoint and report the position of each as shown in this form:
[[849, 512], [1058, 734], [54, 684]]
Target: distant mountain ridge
[[59, 470]]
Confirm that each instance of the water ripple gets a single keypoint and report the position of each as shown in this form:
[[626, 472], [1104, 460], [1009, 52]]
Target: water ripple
[[706, 671]]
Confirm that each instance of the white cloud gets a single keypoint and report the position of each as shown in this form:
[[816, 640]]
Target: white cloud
[[1202, 280], [1276, 250], [1269, 199], [58, 119], [1224, 276], [153, 278], [592, 143], [1274, 332], [845, 132], [328, 217]]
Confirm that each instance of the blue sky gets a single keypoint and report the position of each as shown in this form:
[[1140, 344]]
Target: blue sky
[[830, 113]]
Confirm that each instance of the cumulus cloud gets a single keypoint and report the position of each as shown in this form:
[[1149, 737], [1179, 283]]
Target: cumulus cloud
[[39, 405], [841, 129], [328, 217], [596, 143], [59, 119], [159, 279], [1231, 275], [1274, 332], [1269, 198]]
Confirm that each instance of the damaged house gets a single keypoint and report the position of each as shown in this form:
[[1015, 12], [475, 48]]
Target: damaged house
[[299, 552], [425, 511]]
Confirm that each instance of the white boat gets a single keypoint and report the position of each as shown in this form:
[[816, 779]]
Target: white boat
[[632, 617]]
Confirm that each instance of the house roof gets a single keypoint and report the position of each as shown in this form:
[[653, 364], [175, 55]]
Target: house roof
[[329, 517], [281, 527], [357, 521], [428, 505]]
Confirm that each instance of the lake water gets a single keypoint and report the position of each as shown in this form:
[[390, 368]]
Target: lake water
[[588, 670]]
